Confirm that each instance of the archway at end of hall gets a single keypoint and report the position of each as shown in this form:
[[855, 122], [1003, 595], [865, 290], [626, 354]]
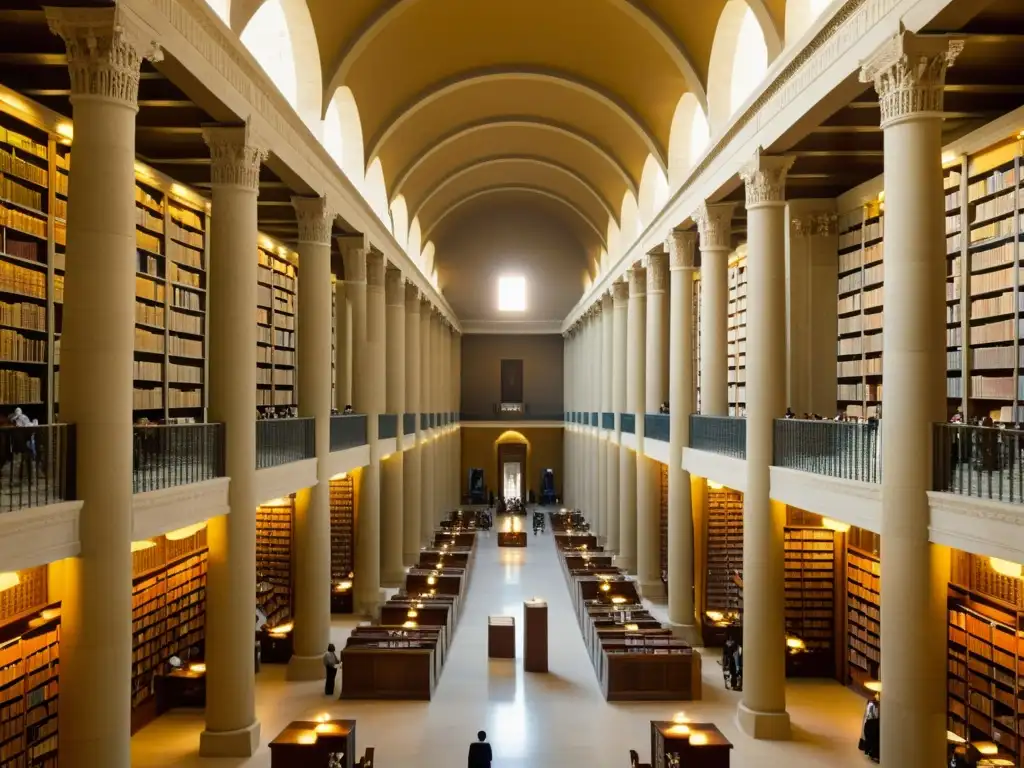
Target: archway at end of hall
[[512, 452]]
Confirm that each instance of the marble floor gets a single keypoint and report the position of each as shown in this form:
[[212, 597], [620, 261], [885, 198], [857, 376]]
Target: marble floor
[[557, 720]]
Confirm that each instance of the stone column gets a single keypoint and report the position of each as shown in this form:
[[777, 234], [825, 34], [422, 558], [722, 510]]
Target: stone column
[[655, 392], [909, 75], [342, 348], [392, 468], [714, 222], [368, 382], [105, 49], [635, 370], [312, 561], [412, 482], [620, 306], [681, 609], [437, 350], [574, 406], [231, 725], [609, 467], [762, 712], [600, 441], [811, 318], [586, 479], [427, 504], [445, 405]]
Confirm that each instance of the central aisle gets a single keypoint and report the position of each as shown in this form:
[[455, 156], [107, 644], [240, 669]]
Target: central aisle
[[553, 720]]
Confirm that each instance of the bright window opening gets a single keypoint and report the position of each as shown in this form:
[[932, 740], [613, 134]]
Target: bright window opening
[[512, 294]]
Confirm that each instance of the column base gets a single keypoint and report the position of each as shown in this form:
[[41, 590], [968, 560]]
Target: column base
[[393, 580], [688, 633], [654, 591], [771, 726], [240, 743], [305, 668]]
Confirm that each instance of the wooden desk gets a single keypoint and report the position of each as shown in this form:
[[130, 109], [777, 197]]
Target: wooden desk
[[305, 743], [457, 558], [501, 637], [180, 688], [448, 581], [387, 673], [535, 635], [455, 539], [575, 540], [667, 738], [649, 676], [512, 539]]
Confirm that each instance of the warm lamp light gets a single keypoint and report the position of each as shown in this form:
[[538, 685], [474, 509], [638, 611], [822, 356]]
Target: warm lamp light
[[679, 718], [875, 686], [986, 761], [343, 586], [698, 739], [306, 737], [605, 587], [714, 486], [431, 580], [954, 738], [184, 533], [198, 668], [138, 546], [715, 615], [66, 130], [50, 614], [1006, 568], [631, 627], [282, 630], [617, 600], [9, 579], [411, 614], [834, 525], [410, 625], [679, 729], [987, 747], [795, 643], [323, 717]]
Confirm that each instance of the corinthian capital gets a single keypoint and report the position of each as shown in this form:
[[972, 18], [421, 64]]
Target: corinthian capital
[[714, 223], [236, 155], [620, 293], [375, 270], [394, 287], [657, 272], [315, 219], [909, 73], [105, 48], [681, 246], [765, 179], [637, 281]]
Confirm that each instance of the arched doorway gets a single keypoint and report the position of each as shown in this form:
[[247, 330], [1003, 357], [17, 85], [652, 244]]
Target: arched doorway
[[512, 450]]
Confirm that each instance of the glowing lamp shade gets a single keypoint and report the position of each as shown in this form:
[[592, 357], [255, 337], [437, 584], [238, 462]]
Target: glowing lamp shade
[[410, 625], [9, 579], [184, 533], [431, 580], [411, 614], [714, 486], [1006, 568], [795, 643], [282, 629], [954, 738], [618, 600], [987, 748], [197, 668], [714, 615], [606, 587], [698, 739], [631, 627], [138, 546], [834, 525], [875, 686]]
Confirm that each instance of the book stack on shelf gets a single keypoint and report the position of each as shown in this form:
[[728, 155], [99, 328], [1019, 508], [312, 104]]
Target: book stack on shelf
[[275, 316], [29, 673], [723, 595], [274, 561], [737, 332], [343, 519], [810, 595], [985, 681], [863, 607], [663, 491], [186, 312], [859, 309], [168, 614]]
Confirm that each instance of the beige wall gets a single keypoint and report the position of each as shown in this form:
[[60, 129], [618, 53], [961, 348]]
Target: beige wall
[[542, 372], [480, 449]]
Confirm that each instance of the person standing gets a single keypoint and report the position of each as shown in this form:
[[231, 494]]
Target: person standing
[[331, 664], [480, 752]]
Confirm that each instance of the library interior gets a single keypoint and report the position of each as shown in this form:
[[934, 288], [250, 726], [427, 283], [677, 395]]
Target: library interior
[[552, 407]]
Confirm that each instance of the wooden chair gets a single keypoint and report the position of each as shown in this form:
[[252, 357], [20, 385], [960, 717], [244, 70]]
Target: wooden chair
[[366, 761], [634, 760]]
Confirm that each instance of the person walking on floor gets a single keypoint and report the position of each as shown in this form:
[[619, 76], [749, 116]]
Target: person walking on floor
[[331, 664], [480, 752]]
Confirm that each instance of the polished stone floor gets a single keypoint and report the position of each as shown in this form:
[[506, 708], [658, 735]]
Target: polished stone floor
[[555, 720]]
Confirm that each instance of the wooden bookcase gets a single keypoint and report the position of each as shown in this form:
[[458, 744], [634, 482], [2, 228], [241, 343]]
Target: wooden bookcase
[[343, 534], [168, 614], [737, 332], [810, 564], [275, 317], [724, 550], [274, 560], [863, 608], [29, 673], [663, 516]]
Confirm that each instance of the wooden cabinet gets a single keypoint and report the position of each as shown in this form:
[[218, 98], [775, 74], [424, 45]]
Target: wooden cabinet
[[535, 635]]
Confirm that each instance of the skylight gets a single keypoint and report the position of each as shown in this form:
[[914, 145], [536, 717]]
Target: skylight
[[512, 293]]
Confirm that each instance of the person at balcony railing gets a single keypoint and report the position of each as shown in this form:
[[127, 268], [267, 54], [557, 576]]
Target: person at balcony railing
[[349, 410], [790, 415], [663, 409]]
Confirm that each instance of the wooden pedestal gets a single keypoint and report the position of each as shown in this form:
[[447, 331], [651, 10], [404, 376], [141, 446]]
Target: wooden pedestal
[[501, 637], [703, 746], [535, 635], [301, 745]]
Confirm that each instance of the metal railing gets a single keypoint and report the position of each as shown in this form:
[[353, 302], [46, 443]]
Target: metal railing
[[408, 423], [656, 426], [847, 450], [982, 462], [168, 455], [719, 434], [38, 465], [628, 423], [349, 431], [282, 441], [387, 426]]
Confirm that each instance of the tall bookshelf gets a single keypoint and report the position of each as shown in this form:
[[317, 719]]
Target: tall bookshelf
[[274, 560], [737, 332], [343, 531], [29, 673], [663, 516], [168, 614], [863, 608], [724, 550], [275, 318], [810, 563]]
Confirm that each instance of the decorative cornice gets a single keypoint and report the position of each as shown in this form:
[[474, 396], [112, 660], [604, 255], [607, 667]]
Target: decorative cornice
[[315, 220], [355, 265], [394, 287], [714, 223], [637, 282], [657, 272], [105, 49], [511, 327], [909, 74], [236, 155], [681, 246], [765, 179]]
